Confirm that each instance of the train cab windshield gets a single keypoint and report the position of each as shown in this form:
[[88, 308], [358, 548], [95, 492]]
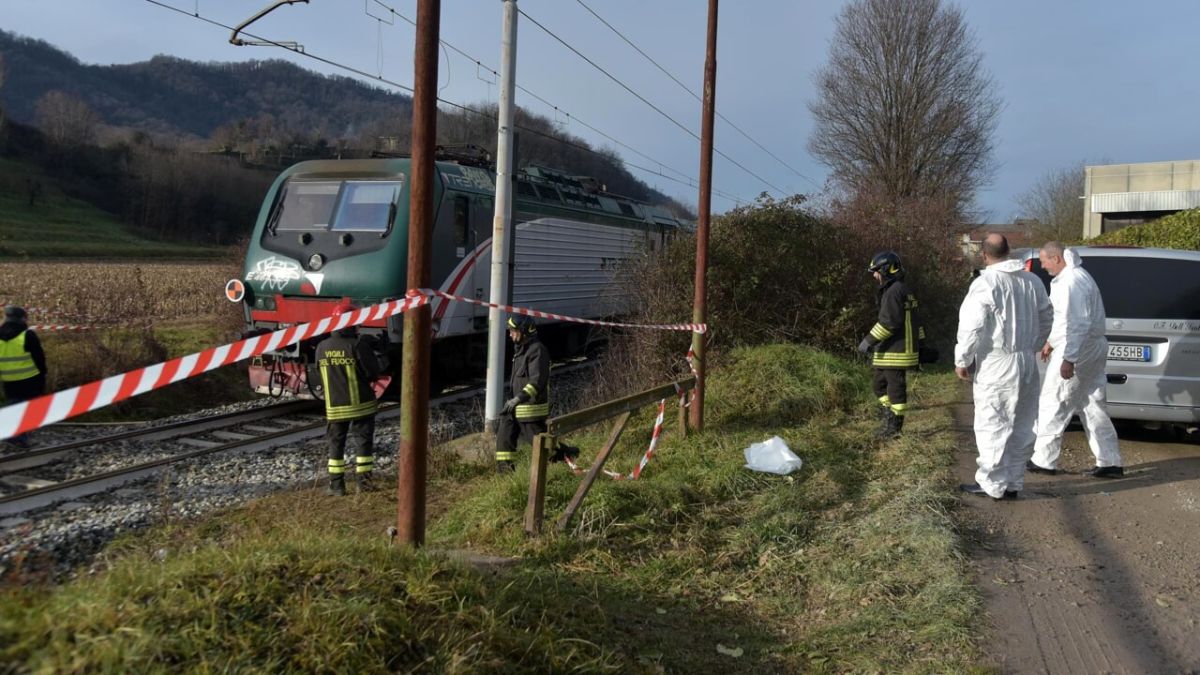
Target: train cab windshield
[[338, 206]]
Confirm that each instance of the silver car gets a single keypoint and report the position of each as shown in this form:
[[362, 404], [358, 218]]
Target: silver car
[[1152, 303]]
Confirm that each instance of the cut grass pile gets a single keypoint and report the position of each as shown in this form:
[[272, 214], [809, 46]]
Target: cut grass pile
[[850, 564]]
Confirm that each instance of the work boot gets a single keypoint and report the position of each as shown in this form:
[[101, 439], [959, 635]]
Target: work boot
[[892, 424], [365, 482], [505, 467], [564, 452], [337, 485], [885, 422]]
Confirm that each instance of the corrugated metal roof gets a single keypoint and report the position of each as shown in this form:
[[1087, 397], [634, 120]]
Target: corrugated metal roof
[[1129, 202]]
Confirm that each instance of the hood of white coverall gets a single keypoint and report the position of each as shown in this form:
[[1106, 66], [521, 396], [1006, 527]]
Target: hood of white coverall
[[1078, 332]]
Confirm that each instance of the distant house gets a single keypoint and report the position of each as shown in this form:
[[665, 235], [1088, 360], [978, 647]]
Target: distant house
[[1120, 195], [1017, 233]]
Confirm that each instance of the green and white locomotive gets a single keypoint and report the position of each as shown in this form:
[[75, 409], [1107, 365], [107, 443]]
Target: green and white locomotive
[[336, 230]]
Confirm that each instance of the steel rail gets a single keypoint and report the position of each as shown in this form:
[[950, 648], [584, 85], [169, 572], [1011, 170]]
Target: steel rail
[[42, 456], [89, 485]]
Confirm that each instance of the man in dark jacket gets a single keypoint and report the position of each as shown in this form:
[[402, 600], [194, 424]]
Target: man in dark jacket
[[22, 363], [348, 365], [894, 341], [524, 415]]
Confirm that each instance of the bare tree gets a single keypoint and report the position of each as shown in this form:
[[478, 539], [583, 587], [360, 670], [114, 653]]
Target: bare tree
[[1054, 205], [904, 106], [67, 120]]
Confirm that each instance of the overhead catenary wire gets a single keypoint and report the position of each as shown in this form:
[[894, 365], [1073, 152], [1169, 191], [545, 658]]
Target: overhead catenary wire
[[643, 99], [691, 181], [696, 96], [379, 78]]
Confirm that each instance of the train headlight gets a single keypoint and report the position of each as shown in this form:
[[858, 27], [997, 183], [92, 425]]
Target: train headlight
[[315, 262]]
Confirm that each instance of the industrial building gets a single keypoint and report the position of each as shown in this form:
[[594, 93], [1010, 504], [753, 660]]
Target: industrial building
[[1120, 195]]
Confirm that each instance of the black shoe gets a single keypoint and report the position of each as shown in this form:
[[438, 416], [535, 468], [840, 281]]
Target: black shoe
[[975, 489], [365, 482], [892, 424], [1107, 472], [337, 486], [1034, 468], [564, 453], [505, 467]]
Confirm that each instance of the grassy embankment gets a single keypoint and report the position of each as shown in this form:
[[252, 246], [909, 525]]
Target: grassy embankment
[[700, 566], [58, 226], [147, 304]]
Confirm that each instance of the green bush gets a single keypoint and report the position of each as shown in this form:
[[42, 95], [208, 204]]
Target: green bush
[[779, 272], [1178, 230]]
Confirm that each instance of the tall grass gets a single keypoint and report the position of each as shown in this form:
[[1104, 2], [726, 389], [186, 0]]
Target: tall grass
[[850, 564]]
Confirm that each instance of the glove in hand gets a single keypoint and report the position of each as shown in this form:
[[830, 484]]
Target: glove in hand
[[864, 346], [510, 405]]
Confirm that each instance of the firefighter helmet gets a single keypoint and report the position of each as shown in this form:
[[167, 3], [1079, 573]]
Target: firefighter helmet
[[522, 324], [14, 313], [887, 263]]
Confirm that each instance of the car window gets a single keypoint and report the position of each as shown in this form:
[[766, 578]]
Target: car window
[[1147, 288]]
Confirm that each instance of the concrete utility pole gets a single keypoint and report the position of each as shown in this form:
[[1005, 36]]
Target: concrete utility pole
[[414, 388], [699, 309], [502, 227]]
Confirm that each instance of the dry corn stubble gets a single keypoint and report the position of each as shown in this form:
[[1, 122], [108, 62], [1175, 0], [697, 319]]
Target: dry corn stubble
[[126, 293]]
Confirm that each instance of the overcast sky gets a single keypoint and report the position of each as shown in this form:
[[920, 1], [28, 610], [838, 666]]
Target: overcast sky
[[1080, 79]]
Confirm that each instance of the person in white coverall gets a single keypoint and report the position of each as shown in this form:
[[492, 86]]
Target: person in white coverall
[[1002, 323], [1077, 353]]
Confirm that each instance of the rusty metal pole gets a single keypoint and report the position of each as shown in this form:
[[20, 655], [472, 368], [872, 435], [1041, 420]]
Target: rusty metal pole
[[699, 308], [414, 387]]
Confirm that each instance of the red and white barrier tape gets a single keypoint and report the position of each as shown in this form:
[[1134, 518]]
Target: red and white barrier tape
[[45, 327], [29, 415], [637, 472], [694, 327], [49, 312]]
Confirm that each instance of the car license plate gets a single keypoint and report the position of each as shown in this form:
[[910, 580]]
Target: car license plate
[[1128, 352]]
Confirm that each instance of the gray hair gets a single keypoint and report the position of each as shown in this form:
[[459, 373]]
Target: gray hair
[[1054, 248]]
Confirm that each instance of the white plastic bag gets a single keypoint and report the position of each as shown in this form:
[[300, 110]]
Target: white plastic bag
[[772, 456]]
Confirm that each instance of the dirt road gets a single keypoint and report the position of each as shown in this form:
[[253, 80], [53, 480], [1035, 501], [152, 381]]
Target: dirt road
[[1085, 575]]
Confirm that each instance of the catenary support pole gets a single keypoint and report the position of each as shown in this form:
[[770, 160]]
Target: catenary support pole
[[699, 309], [414, 389], [502, 229]]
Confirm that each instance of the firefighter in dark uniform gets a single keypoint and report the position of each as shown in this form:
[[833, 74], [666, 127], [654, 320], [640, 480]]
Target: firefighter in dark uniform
[[894, 341], [524, 415], [22, 363], [348, 365]]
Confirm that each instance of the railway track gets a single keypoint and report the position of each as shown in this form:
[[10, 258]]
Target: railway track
[[239, 432]]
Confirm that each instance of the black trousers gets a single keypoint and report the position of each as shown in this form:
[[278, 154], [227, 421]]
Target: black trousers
[[21, 391], [361, 433], [509, 430], [892, 383]]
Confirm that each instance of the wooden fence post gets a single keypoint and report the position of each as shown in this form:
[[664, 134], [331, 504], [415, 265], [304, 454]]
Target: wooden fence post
[[534, 509]]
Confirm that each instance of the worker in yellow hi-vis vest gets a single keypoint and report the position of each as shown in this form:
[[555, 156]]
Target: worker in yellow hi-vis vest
[[22, 363], [348, 365]]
